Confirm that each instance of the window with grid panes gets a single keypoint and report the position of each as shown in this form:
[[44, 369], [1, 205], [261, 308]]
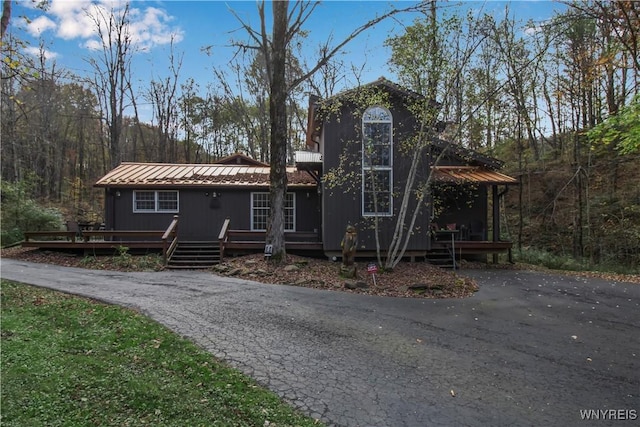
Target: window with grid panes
[[377, 162], [155, 201], [261, 208]]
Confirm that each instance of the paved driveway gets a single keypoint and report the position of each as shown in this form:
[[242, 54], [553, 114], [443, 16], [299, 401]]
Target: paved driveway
[[527, 349]]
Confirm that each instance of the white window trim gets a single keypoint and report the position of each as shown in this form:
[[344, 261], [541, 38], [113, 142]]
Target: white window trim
[[294, 208], [156, 208], [372, 168]]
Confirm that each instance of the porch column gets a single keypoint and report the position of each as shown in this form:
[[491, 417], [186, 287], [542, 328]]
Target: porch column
[[496, 213], [496, 218]]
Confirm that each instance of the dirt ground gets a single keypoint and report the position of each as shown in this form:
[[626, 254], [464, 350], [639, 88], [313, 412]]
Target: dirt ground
[[414, 280]]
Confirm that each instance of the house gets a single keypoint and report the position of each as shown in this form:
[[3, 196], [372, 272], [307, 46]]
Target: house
[[146, 196], [353, 172], [358, 145]]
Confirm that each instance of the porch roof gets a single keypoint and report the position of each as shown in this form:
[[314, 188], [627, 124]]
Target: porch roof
[[471, 174], [146, 175]]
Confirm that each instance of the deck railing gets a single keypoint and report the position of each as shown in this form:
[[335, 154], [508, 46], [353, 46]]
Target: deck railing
[[248, 241], [170, 240], [223, 237], [165, 240], [68, 236]]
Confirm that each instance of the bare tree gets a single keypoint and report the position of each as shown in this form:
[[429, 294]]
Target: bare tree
[[112, 66], [6, 16], [435, 74], [163, 96], [287, 24]]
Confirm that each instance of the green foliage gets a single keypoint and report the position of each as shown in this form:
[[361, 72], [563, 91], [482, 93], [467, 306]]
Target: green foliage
[[564, 261], [550, 260], [74, 362], [422, 56], [616, 239], [124, 261], [621, 130], [123, 257], [21, 213]]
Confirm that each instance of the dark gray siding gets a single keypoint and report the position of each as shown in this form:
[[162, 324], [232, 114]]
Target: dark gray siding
[[342, 204], [201, 215], [467, 208]]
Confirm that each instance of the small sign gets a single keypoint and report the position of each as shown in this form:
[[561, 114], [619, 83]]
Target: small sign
[[268, 251], [372, 269]]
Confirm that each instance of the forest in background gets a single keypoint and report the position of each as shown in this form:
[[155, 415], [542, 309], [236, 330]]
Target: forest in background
[[556, 100]]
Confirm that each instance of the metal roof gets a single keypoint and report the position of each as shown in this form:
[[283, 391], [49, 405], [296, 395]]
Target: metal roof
[[140, 175], [471, 174], [240, 159], [308, 157]]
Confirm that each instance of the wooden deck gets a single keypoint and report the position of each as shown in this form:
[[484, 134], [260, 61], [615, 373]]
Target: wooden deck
[[231, 243], [474, 246], [88, 240], [102, 241], [238, 242]]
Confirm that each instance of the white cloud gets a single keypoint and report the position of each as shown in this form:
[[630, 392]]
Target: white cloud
[[93, 44], [76, 26], [79, 19], [532, 31], [39, 25], [35, 52], [66, 7], [151, 29]]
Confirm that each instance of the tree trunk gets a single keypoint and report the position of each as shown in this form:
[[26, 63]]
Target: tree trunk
[[278, 117], [6, 16]]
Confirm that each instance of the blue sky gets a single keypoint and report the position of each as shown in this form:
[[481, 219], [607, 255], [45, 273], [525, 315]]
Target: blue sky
[[66, 31]]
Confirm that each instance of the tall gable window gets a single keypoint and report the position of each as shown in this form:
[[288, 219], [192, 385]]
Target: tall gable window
[[155, 201], [261, 208], [377, 162]]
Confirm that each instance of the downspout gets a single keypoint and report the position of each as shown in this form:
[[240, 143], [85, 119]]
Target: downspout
[[113, 209]]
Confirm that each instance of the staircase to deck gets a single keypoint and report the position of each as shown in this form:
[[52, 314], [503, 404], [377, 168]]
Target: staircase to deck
[[194, 255], [441, 257]]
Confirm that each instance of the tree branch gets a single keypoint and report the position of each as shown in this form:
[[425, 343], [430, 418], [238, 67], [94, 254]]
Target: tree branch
[[329, 53]]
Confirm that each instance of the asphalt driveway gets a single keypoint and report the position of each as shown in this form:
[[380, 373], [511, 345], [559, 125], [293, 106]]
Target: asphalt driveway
[[528, 349]]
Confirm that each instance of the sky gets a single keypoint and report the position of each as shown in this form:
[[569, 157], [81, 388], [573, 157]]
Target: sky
[[67, 33]]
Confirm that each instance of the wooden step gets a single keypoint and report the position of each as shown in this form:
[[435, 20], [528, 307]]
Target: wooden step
[[440, 258], [194, 255]]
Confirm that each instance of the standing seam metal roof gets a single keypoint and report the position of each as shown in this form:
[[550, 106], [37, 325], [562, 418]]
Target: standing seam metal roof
[[130, 174], [471, 174]]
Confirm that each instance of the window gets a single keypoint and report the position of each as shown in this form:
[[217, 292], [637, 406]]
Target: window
[[377, 162], [261, 208], [155, 201]]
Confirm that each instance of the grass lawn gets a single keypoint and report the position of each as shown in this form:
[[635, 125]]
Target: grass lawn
[[69, 361]]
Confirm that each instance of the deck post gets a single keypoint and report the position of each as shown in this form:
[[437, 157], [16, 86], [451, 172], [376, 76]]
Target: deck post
[[223, 237], [495, 218], [171, 234]]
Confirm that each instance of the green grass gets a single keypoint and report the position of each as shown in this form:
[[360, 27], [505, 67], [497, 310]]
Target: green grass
[[69, 361]]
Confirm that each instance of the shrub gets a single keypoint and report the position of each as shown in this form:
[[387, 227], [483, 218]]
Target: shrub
[[567, 262], [20, 213]]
